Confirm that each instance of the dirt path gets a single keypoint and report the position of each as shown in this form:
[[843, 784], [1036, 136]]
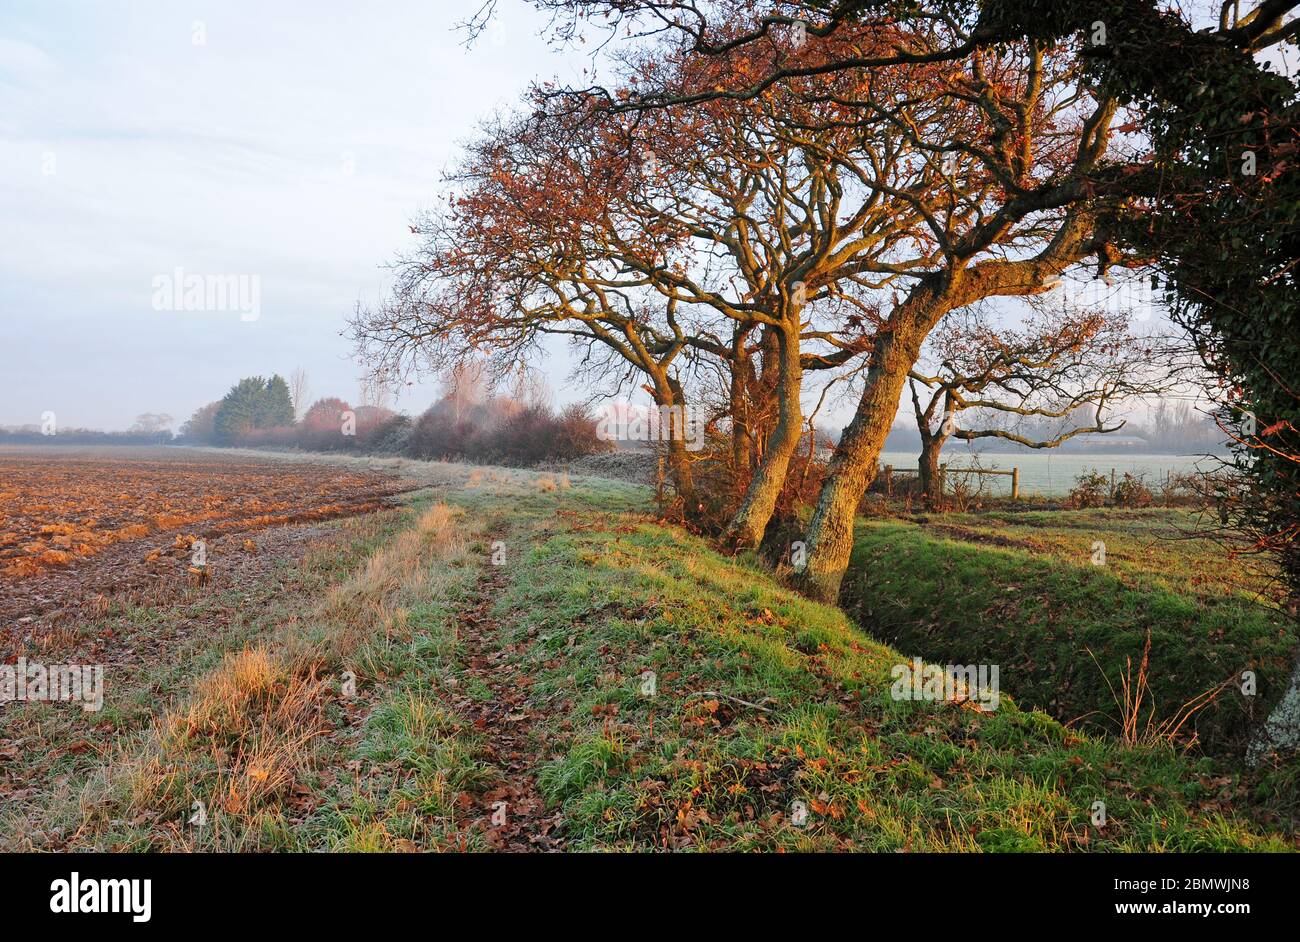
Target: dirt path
[[514, 815]]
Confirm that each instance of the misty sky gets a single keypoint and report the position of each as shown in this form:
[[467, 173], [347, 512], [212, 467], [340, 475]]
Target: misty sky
[[234, 138], [244, 138]]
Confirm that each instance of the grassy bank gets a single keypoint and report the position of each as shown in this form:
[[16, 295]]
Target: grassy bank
[[545, 666], [1036, 591], [764, 699]]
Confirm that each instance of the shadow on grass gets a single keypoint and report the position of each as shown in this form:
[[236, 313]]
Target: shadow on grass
[[1038, 615]]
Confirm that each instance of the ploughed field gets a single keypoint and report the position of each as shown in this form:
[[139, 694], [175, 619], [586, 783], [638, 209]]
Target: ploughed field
[[77, 520]]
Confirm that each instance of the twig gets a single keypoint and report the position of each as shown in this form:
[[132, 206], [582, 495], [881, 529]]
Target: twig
[[724, 696]]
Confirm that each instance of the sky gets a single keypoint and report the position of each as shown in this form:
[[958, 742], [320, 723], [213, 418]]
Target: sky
[[285, 144], [273, 149]]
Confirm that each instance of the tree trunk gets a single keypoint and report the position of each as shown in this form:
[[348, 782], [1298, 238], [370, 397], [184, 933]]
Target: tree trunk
[[750, 521], [928, 468], [764, 391], [852, 468], [669, 394], [742, 431], [830, 531], [1281, 731], [679, 463]]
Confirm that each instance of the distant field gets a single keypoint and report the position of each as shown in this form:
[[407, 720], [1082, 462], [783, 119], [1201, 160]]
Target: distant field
[[1052, 474]]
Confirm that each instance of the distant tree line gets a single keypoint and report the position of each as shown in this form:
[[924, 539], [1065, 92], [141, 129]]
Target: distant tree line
[[502, 430], [149, 428], [32, 435], [467, 423], [470, 422]]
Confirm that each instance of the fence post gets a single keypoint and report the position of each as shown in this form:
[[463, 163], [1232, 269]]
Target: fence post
[[1015, 483], [889, 480], [1112, 483], [943, 478]]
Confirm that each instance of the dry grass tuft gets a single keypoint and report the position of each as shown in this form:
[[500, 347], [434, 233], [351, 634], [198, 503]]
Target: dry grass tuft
[[1137, 708], [224, 698]]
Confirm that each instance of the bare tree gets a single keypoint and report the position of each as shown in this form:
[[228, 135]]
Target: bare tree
[[152, 423], [465, 387], [1060, 376], [375, 389], [299, 391], [1094, 205], [729, 238]]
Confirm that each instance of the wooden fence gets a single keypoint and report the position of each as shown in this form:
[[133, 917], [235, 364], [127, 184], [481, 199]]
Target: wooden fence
[[887, 473]]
